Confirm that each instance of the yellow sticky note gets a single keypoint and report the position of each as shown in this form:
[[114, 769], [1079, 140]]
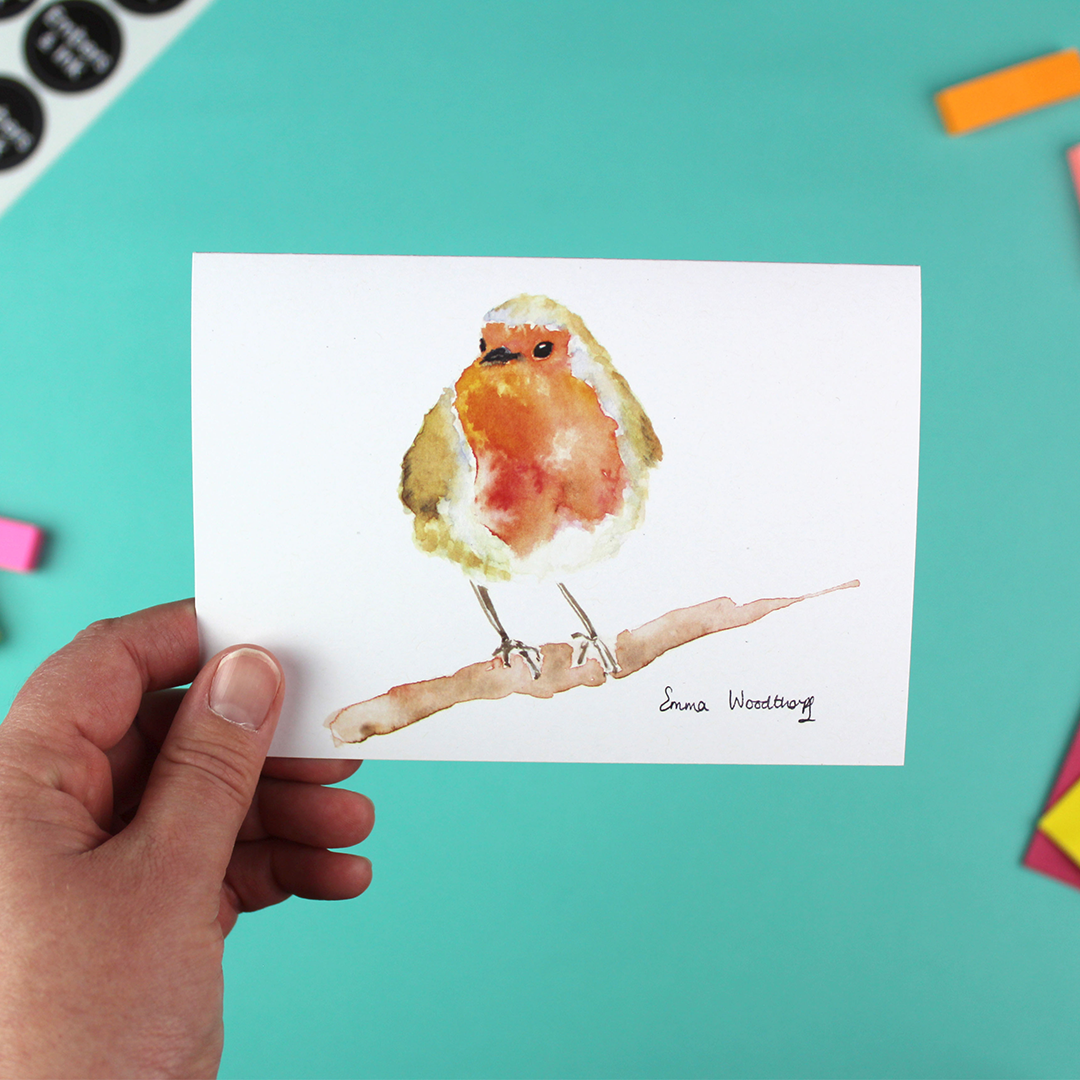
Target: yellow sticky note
[[1062, 823], [1009, 92]]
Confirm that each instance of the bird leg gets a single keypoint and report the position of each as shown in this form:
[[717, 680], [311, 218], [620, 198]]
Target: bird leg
[[590, 640], [529, 653]]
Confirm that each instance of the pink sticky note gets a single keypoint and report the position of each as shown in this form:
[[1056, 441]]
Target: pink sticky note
[[1073, 155], [1042, 853], [20, 545]]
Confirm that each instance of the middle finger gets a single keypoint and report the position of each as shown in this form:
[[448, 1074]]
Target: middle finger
[[308, 814]]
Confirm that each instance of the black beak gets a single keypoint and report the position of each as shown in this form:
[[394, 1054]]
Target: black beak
[[501, 355]]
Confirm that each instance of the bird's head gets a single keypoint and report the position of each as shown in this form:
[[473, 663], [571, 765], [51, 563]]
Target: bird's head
[[502, 344], [529, 339]]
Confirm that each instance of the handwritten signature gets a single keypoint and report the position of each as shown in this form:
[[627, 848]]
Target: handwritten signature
[[682, 706], [774, 701]]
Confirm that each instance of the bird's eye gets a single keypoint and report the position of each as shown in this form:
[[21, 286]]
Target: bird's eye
[[543, 349], [483, 345]]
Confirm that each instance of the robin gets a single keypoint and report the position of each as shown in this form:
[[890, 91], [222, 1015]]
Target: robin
[[535, 461]]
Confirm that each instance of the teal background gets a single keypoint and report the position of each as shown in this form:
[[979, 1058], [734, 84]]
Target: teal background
[[613, 921]]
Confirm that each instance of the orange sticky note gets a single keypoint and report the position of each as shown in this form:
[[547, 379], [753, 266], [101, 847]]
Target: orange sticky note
[[1009, 92]]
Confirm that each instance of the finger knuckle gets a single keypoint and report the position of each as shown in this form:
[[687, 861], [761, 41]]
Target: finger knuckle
[[107, 638], [214, 764], [98, 628]]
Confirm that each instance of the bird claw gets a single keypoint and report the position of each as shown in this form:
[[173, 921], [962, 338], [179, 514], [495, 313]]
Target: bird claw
[[529, 653], [585, 644]]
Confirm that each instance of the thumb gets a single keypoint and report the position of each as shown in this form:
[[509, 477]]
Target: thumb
[[204, 778]]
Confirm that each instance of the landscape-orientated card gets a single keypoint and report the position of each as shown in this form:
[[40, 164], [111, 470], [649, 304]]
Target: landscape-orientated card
[[562, 509]]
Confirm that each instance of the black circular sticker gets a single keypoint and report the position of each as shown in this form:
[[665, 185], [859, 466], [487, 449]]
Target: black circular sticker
[[21, 123], [150, 7], [73, 46], [8, 8]]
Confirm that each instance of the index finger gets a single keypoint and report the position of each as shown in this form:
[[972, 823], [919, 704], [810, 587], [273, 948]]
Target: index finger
[[311, 770], [93, 686]]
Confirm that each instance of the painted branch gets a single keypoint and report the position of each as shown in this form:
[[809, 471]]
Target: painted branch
[[491, 679]]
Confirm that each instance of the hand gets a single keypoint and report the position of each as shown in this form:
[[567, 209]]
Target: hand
[[134, 828]]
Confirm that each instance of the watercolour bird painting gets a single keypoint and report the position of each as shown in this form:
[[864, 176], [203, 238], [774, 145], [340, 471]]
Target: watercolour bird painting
[[536, 461], [682, 496]]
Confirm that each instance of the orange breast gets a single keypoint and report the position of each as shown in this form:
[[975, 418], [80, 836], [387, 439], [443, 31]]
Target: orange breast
[[546, 453]]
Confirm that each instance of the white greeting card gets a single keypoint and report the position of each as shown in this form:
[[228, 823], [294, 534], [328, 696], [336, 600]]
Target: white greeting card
[[560, 509]]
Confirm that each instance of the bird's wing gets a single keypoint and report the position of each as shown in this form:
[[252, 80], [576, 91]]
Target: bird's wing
[[637, 425], [428, 469], [431, 478]]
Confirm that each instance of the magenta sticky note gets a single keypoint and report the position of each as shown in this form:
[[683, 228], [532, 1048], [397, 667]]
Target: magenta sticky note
[[1043, 854], [1073, 156], [20, 545]]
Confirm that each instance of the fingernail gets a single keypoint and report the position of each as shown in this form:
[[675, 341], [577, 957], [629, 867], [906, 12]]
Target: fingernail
[[244, 687]]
